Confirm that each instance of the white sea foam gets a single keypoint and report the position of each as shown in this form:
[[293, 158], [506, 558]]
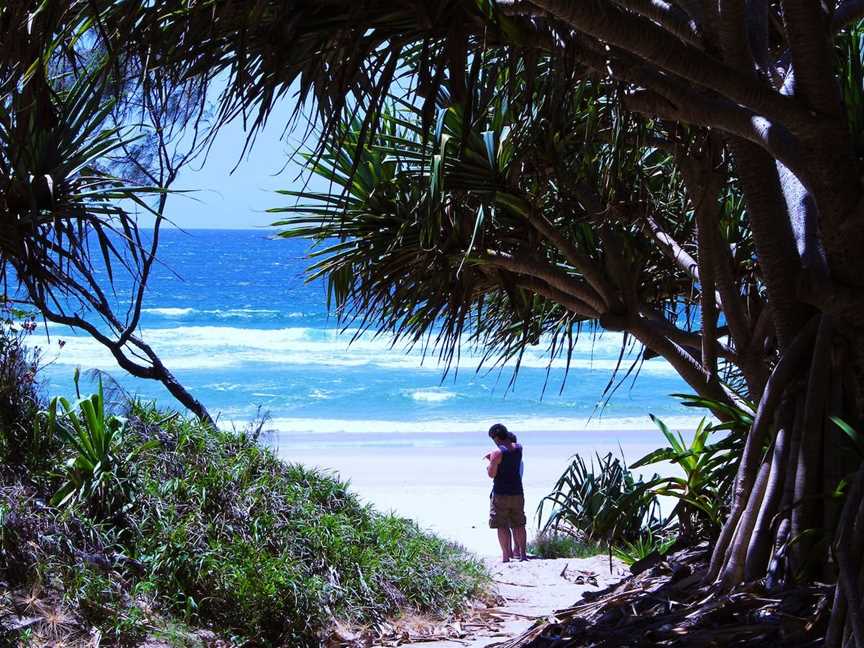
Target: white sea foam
[[169, 312], [430, 395], [216, 347], [218, 313], [361, 427], [243, 313]]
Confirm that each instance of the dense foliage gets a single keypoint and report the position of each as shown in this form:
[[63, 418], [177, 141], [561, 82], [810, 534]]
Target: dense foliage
[[20, 397], [611, 506], [160, 525], [604, 504]]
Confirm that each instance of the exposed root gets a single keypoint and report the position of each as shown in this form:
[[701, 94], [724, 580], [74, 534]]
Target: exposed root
[[667, 606]]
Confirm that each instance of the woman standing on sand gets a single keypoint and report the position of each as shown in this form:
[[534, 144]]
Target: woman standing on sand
[[507, 501]]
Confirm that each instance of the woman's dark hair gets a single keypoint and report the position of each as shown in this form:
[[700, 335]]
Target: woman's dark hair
[[499, 431]]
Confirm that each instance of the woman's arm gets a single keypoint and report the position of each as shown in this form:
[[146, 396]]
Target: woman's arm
[[494, 460]]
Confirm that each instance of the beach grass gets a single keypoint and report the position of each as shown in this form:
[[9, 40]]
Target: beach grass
[[549, 545], [208, 531]]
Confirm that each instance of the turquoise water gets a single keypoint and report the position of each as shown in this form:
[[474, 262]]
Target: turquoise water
[[230, 313]]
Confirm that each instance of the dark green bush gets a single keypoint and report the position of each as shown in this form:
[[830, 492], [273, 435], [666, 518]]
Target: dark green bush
[[237, 538], [24, 442], [97, 474], [609, 505], [550, 544], [214, 532], [606, 504]]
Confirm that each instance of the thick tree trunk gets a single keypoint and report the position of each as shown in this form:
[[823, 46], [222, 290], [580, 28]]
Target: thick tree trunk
[[784, 524]]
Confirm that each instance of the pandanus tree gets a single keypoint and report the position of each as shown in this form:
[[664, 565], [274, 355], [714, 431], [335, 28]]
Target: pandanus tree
[[723, 170], [86, 145], [648, 155]]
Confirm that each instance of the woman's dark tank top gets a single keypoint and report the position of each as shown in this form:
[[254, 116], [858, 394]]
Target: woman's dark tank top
[[507, 479]]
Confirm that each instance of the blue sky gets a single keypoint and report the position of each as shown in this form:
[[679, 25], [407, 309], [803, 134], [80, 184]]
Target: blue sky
[[224, 200]]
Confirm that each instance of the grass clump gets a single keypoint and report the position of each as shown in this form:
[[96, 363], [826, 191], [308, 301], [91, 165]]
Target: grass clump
[[212, 534], [549, 544]]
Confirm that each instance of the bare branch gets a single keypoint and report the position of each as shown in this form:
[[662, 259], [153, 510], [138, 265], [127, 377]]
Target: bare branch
[[671, 248], [574, 256], [688, 339], [553, 294], [684, 363], [703, 191], [551, 275], [689, 107], [807, 32]]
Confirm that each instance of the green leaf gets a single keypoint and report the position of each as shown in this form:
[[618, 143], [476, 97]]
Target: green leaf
[[856, 438]]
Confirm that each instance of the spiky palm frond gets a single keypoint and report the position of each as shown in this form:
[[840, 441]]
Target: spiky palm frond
[[436, 238], [62, 208]]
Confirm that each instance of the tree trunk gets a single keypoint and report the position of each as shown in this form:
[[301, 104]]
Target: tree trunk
[[784, 525]]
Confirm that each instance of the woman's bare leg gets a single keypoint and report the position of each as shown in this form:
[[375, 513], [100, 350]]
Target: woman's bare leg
[[520, 539], [505, 540]]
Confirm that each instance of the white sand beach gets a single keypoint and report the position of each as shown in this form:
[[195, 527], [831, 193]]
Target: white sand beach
[[441, 481], [529, 591]]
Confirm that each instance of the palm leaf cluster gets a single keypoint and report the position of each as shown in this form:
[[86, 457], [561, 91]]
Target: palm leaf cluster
[[63, 215], [62, 210], [91, 139], [602, 504], [512, 228]]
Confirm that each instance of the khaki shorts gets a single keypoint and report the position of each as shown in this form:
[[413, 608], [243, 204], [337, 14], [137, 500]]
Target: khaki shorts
[[506, 511]]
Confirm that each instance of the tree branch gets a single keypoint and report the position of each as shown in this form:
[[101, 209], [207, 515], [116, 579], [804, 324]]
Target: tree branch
[[807, 33], [684, 363], [669, 16], [553, 294], [774, 240], [652, 44], [687, 106], [707, 220], [574, 256], [686, 338], [671, 248], [549, 274]]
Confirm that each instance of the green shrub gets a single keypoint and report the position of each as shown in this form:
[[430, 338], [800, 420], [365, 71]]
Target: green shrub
[[610, 506], [235, 538], [605, 505], [702, 494], [98, 474], [215, 533], [646, 544], [560, 545], [24, 443]]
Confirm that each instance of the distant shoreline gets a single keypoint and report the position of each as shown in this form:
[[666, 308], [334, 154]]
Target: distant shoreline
[[557, 428]]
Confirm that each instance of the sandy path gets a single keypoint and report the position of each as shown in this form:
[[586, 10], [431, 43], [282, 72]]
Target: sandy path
[[535, 589]]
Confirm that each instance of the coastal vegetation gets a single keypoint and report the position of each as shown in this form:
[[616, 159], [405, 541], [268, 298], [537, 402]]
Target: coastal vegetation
[[130, 522], [611, 507], [513, 173]]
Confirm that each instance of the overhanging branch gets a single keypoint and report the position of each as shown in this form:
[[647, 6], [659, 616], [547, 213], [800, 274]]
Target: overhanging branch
[[657, 47], [547, 273]]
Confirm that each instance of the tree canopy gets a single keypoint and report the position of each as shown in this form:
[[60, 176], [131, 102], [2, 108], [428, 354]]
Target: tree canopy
[[512, 169]]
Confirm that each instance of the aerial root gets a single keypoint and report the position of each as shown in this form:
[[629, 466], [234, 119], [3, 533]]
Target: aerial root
[[667, 605]]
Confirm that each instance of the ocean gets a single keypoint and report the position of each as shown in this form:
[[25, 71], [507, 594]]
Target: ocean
[[231, 314]]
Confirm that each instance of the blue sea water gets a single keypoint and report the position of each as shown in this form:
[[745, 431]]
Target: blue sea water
[[230, 313]]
